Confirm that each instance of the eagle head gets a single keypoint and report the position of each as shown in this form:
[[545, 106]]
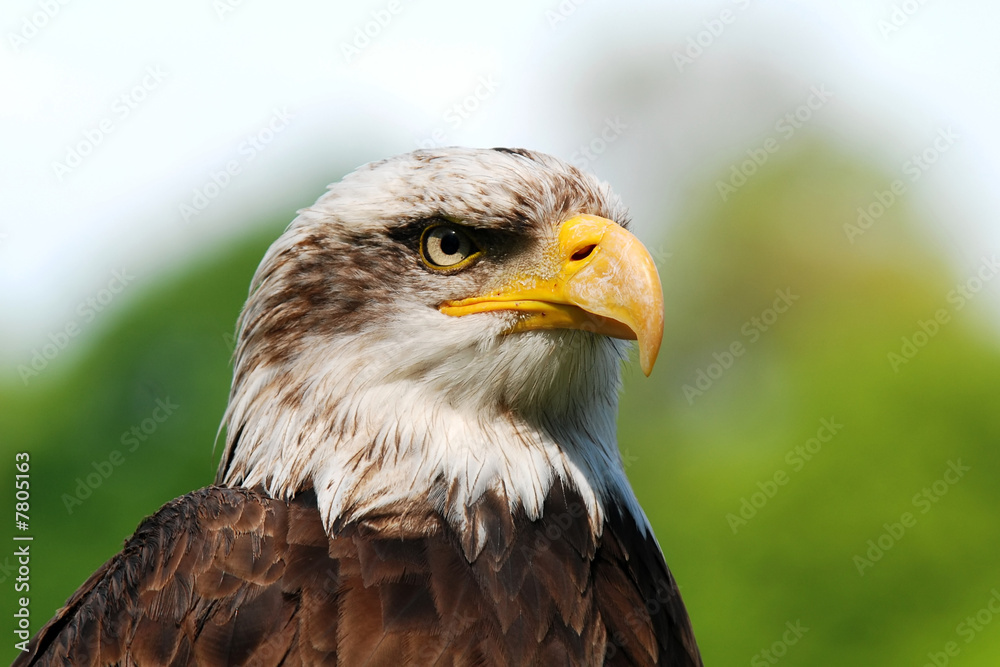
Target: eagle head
[[438, 328], [421, 464]]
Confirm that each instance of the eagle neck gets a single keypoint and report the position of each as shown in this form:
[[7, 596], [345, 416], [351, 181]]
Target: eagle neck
[[370, 441]]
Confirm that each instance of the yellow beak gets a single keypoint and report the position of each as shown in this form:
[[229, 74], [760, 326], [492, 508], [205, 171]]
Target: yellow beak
[[604, 281]]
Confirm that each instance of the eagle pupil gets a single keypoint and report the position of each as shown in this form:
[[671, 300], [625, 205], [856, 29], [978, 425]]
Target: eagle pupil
[[450, 242]]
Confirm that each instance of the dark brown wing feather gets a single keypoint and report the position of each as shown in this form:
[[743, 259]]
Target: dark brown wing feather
[[232, 577]]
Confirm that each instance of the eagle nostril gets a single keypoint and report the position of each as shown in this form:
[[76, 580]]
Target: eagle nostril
[[583, 253]]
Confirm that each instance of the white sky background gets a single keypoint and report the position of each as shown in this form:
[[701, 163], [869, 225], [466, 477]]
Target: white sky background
[[551, 87]]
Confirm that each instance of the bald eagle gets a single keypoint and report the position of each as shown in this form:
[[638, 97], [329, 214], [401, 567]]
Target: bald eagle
[[420, 463]]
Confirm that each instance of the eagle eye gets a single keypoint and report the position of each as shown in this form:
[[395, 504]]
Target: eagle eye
[[447, 247]]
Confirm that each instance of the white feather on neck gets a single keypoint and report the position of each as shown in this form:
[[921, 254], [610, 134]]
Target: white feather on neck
[[436, 408]]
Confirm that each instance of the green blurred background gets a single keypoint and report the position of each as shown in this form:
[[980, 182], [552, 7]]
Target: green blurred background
[[816, 447]]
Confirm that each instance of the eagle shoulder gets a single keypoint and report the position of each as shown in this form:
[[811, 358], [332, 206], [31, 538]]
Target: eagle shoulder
[[202, 581], [231, 576]]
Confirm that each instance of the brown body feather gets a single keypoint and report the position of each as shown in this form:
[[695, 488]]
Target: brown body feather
[[227, 576]]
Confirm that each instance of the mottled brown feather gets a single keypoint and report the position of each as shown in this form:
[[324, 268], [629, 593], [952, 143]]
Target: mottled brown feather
[[230, 576]]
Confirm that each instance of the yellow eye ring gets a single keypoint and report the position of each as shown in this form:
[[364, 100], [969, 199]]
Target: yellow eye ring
[[447, 247]]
